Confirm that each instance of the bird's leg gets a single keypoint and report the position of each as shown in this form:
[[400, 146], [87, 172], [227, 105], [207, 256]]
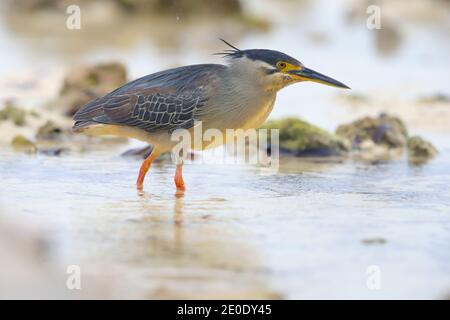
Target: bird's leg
[[179, 177], [144, 169]]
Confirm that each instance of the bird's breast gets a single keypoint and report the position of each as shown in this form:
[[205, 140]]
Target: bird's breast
[[255, 115], [243, 114], [237, 101]]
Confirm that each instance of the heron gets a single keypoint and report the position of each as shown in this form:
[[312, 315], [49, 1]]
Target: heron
[[239, 94]]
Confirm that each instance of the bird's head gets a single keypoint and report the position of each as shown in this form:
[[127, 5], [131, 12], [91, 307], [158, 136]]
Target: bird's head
[[277, 69]]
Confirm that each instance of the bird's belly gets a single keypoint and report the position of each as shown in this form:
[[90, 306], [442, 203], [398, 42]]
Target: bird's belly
[[252, 118]]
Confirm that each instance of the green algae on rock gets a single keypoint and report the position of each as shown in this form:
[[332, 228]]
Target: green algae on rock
[[226, 7], [21, 144], [420, 150], [373, 241], [300, 138], [49, 131], [384, 138], [13, 113]]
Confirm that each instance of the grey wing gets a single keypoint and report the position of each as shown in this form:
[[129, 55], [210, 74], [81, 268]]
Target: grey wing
[[149, 112], [167, 100]]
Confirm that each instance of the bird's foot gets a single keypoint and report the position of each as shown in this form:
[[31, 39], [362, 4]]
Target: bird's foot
[[179, 183], [178, 179], [140, 181], [139, 185], [145, 166]]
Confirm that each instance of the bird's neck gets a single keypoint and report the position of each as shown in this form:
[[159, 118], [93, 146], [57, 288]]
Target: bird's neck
[[242, 100], [255, 73]]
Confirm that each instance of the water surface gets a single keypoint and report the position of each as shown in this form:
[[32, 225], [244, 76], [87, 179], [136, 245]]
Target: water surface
[[303, 233]]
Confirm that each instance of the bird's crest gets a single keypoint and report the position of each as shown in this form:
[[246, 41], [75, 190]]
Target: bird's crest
[[233, 52]]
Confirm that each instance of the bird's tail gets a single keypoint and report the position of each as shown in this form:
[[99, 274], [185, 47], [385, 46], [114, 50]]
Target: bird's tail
[[81, 126]]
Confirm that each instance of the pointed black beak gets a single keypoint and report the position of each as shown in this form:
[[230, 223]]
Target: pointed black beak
[[306, 74]]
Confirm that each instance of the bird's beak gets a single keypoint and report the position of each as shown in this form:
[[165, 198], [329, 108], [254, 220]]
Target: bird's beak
[[306, 74]]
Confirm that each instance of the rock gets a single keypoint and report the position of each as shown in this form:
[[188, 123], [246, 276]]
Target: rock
[[385, 138], [49, 131], [372, 241], [420, 150], [299, 138], [435, 98], [375, 138], [35, 114], [15, 114], [22, 144], [355, 99], [388, 38], [318, 37], [85, 83], [369, 151], [255, 22], [53, 152], [223, 7], [31, 5], [383, 130]]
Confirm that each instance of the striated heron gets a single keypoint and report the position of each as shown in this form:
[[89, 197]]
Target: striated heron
[[238, 95]]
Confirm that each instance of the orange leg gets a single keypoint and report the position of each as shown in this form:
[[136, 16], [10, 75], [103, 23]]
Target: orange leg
[[144, 169], [179, 178]]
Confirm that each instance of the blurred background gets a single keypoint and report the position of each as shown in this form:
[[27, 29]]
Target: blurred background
[[309, 232]]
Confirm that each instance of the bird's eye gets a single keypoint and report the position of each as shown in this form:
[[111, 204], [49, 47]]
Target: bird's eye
[[281, 65]]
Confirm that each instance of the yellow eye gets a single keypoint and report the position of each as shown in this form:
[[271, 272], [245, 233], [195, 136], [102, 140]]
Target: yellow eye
[[281, 65]]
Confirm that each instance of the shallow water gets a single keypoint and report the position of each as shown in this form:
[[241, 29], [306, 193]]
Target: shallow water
[[238, 233]]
